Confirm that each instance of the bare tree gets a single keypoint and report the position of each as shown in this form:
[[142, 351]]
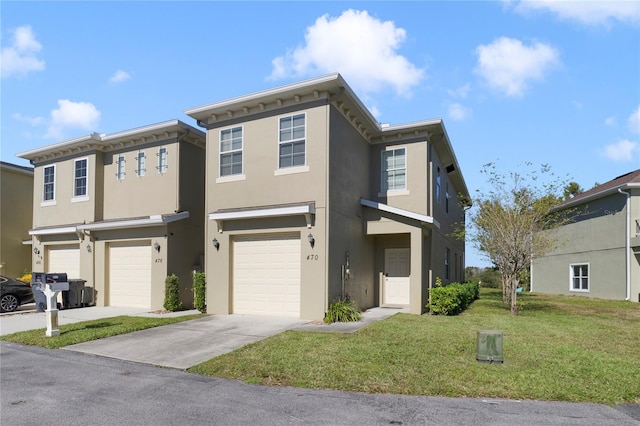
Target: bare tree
[[507, 221]]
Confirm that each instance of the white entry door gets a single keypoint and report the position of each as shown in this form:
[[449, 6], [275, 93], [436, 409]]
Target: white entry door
[[396, 276]]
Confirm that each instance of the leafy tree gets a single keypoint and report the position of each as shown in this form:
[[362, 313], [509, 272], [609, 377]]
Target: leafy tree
[[571, 190], [507, 221]]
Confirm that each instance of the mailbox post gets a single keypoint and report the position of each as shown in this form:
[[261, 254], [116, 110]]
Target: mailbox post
[[51, 285]]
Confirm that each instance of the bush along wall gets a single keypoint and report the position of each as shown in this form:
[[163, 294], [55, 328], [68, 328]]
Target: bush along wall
[[172, 293], [199, 292], [453, 298]]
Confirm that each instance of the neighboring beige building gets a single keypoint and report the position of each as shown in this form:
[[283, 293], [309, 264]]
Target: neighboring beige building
[[598, 252], [122, 211], [16, 207], [309, 199]]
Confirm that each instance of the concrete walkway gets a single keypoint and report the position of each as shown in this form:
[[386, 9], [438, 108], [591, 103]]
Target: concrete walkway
[[185, 344]]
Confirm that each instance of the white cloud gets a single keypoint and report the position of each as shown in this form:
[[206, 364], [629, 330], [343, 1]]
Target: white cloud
[[634, 121], [610, 121], [119, 77], [459, 112], [72, 115], [509, 66], [460, 92], [586, 12], [362, 48], [20, 57], [34, 121], [621, 151]]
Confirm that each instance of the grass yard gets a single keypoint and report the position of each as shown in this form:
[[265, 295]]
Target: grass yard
[[85, 331], [558, 348]]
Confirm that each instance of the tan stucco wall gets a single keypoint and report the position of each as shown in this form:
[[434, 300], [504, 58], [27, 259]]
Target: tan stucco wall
[[16, 209]]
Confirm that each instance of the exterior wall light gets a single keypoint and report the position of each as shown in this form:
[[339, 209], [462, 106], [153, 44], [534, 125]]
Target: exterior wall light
[[216, 244], [36, 251], [312, 241], [89, 248], [156, 246]]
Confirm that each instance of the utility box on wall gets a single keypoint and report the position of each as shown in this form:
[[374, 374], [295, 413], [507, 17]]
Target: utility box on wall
[[489, 346]]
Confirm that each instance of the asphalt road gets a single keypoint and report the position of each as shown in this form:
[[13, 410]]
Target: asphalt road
[[49, 387]]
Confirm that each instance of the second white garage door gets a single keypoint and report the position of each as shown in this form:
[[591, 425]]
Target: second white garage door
[[130, 274], [266, 275], [65, 259]]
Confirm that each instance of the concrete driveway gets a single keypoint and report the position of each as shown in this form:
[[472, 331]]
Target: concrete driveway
[[188, 343]]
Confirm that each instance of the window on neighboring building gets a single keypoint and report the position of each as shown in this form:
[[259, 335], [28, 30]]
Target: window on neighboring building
[[292, 141], [120, 167], [162, 160], [446, 197], [447, 257], [394, 169], [80, 178], [231, 152], [579, 277], [438, 184], [141, 164], [49, 188]]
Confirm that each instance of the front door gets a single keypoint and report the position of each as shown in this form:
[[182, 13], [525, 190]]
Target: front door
[[395, 290]]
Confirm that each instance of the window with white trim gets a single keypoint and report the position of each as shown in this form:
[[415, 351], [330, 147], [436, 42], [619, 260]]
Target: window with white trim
[[80, 175], [579, 276], [141, 164], [438, 182], [394, 169], [291, 141], [162, 160], [49, 184], [120, 162], [231, 152]]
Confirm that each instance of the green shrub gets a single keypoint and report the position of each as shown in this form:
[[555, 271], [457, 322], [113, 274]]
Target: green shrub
[[453, 298], [199, 292], [344, 310], [172, 293]]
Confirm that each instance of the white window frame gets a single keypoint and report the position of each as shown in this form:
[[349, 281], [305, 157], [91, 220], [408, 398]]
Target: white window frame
[[51, 201], [121, 162], [292, 169], [230, 152], [141, 164], [572, 277], [163, 158], [384, 190], [85, 196]]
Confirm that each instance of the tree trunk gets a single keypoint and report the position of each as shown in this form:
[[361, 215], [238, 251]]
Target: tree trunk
[[514, 304], [505, 288]]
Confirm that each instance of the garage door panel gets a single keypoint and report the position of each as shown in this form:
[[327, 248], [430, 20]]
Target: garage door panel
[[65, 259], [267, 276], [130, 274]]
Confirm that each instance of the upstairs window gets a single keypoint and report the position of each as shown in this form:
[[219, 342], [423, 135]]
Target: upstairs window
[[49, 187], [292, 141], [394, 170], [438, 182], [162, 160], [579, 277], [120, 167], [141, 164], [231, 152], [80, 178]]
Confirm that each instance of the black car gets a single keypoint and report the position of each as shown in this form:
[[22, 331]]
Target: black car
[[14, 293]]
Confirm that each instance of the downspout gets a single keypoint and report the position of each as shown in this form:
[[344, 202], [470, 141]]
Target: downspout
[[627, 245]]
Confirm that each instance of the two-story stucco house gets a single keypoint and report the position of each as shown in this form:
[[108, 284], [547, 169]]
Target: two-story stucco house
[[309, 199], [16, 204], [598, 252], [121, 211]]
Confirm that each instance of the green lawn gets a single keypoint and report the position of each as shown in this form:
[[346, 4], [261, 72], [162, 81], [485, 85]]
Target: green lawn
[[91, 330], [558, 348]]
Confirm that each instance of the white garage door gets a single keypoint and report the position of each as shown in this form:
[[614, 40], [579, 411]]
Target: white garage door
[[266, 276], [130, 274], [65, 259]]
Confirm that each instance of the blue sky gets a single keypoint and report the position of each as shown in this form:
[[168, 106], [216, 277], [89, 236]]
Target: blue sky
[[553, 83]]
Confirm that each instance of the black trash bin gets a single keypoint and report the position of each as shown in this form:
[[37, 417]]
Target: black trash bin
[[73, 297]]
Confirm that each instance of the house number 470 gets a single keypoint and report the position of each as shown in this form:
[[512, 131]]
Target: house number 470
[[312, 257]]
